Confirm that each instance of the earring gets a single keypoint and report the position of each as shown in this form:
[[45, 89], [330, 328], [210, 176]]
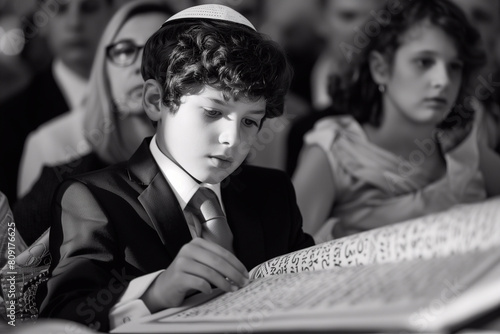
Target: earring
[[381, 88]]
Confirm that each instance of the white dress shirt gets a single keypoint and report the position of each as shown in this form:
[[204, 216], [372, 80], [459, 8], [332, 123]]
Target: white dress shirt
[[130, 306]]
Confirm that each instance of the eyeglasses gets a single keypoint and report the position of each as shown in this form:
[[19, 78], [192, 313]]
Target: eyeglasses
[[123, 53]]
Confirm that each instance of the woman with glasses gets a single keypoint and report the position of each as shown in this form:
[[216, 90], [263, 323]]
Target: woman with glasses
[[108, 128]]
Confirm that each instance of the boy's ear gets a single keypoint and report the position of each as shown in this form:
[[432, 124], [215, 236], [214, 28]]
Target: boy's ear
[[379, 68], [152, 99]]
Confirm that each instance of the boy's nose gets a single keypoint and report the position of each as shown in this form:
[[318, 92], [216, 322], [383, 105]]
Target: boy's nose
[[230, 134]]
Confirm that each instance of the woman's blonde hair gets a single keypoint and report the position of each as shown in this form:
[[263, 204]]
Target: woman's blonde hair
[[100, 117]]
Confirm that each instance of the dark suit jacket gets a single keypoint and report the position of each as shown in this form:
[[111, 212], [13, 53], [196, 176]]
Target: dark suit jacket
[[124, 221], [39, 102]]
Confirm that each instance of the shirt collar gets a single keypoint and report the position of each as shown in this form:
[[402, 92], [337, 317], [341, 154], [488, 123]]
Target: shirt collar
[[72, 85], [183, 185]]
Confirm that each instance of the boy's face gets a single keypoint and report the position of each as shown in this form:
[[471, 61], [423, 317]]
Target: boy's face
[[208, 136]]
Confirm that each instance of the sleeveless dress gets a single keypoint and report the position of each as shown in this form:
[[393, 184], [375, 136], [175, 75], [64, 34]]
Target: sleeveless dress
[[374, 187]]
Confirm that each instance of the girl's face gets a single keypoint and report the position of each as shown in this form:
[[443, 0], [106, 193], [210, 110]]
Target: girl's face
[[425, 78], [123, 66]]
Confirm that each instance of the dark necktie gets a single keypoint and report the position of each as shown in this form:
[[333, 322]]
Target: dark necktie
[[205, 205]]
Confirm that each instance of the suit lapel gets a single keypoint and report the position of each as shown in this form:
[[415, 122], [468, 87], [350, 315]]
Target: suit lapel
[[243, 218], [159, 201], [167, 218]]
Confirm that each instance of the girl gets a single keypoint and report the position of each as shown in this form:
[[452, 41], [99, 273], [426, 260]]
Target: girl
[[408, 144]]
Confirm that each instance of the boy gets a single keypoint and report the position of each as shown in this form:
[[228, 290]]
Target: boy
[[131, 239]]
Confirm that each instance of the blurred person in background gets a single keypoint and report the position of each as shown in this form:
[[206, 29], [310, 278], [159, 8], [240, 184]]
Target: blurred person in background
[[111, 123], [484, 15], [72, 29], [14, 72], [343, 26], [485, 86], [343, 22], [296, 25]]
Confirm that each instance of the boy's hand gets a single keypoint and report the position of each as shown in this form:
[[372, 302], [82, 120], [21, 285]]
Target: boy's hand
[[198, 264]]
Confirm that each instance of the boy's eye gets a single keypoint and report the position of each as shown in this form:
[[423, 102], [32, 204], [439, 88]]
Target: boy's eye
[[250, 122], [212, 112]]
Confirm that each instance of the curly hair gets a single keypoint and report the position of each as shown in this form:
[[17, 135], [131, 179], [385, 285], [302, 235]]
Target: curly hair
[[184, 56], [355, 92]]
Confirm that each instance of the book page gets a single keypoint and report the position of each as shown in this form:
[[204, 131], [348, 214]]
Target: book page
[[390, 295], [458, 230]]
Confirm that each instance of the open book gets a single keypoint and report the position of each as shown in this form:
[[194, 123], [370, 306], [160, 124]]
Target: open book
[[428, 274]]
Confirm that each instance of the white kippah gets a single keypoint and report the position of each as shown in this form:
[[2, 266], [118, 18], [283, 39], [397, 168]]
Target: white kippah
[[213, 12]]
